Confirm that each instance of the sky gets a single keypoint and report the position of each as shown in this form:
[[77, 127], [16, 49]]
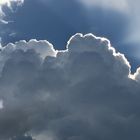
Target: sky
[[69, 70]]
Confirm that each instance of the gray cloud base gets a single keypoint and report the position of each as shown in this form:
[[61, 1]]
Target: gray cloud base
[[82, 93]]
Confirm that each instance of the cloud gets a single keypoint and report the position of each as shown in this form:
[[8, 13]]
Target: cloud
[[108, 22], [84, 92], [1, 104], [42, 47], [115, 20], [112, 4], [9, 4]]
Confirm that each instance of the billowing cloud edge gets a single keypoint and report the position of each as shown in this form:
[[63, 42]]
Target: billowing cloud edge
[[50, 51]]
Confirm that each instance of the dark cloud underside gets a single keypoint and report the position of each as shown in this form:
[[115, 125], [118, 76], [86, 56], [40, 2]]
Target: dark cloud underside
[[83, 93]]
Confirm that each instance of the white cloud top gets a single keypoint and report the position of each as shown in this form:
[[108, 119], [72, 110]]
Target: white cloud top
[[43, 48]]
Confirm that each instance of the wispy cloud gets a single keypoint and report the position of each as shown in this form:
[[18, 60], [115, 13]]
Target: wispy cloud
[[7, 3]]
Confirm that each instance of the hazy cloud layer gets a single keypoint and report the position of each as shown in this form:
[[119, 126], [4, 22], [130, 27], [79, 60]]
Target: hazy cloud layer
[[120, 5], [82, 93]]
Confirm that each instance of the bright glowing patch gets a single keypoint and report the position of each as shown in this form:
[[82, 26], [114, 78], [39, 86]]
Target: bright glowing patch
[[8, 3], [1, 104], [2, 2]]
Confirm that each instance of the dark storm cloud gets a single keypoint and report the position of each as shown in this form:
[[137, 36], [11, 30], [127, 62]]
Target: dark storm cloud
[[83, 93]]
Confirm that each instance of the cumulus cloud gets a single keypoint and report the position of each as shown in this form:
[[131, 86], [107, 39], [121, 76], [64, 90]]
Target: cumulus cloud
[[42, 47], [85, 92]]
